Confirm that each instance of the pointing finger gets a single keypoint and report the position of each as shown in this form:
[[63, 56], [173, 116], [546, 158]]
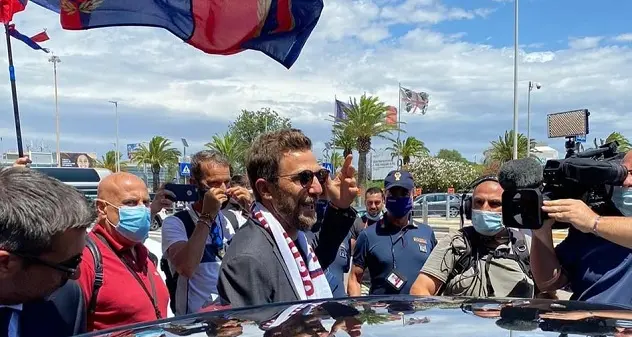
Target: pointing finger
[[346, 165]]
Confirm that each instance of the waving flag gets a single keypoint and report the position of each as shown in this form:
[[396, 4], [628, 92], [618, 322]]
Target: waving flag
[[10, 7], [29, 41], [278, 28], [414, 101], [340, 109]]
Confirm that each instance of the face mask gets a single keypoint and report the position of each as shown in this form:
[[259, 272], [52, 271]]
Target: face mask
[[622, 199], [399, 207], [487, 223], [376, 217], [134, 222]]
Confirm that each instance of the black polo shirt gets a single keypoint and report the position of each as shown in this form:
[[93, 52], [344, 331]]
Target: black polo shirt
[[382, 247]]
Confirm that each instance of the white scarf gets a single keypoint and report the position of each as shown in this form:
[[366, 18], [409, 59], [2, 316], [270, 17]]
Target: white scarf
[[308, 279]]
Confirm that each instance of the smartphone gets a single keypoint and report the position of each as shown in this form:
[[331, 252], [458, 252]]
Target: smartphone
[[183, 192]]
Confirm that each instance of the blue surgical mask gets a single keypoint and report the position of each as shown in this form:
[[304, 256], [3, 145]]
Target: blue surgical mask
[[376, 217], [134, 222], [487, 223], [399, 207], [622, 199]]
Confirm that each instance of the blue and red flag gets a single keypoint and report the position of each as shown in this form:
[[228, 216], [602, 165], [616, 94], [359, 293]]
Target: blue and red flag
[[10, 7], [277, 28], [30, 41]]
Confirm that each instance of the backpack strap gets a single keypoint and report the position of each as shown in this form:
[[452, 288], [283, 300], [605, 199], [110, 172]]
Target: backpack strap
[[171, 278], [231, 217], [520, 248], [98, 274], [466, 257]]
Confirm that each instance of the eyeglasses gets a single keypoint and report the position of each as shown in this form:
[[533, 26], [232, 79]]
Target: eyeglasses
[[305, 178], [69, 266]]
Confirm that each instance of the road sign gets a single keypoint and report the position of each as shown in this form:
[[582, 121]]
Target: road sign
[[580, 138], [185, 169], [329, 166]]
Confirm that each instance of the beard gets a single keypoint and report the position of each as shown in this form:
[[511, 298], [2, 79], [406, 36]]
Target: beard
[[298, 212]]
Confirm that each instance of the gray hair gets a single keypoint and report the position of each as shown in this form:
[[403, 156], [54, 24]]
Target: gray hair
[[206, 156], [35, 208]]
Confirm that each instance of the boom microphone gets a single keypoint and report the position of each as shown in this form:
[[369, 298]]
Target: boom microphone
[[520, 173]]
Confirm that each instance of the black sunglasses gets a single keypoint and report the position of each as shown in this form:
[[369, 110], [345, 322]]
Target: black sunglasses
[[307, 177], [69, 266]]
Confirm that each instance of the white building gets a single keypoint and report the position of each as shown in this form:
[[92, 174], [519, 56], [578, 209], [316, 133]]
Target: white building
[[544, 152]]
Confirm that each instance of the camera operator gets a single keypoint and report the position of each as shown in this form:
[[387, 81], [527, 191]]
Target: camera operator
[[595, 259]]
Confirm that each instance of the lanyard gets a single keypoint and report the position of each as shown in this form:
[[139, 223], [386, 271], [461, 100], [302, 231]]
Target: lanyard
[[152, 296]]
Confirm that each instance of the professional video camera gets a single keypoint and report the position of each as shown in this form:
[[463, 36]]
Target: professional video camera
[[587, 176]]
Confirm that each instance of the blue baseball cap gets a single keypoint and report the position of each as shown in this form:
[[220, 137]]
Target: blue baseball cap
[[399, 178]]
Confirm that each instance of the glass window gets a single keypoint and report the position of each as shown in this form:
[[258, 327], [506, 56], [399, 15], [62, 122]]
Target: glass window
[[440, 197]]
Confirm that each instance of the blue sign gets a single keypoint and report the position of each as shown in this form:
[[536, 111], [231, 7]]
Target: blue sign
[[580, 138], [131, 148], [329, 166], [185, 169]]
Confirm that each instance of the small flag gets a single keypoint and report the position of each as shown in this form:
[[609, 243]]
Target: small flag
[[391, 115], [414, 100], [15, 34], [277, 28], [10, 7], [40, 37], [340, 109]]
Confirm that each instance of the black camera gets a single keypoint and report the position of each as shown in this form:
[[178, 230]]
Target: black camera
[[587, 176]]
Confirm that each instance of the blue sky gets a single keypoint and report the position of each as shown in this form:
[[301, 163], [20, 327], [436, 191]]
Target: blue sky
[[458, 51]]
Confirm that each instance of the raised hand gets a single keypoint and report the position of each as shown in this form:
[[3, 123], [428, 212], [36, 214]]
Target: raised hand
[[342, 190]]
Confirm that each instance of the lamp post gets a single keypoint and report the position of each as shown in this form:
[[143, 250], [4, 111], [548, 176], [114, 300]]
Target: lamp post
[[531, 86], [118, 159], [54, 59], [515, 98], [185, 144]]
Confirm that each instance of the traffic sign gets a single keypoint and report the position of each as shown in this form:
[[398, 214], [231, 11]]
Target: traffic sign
[[185, 169], [329, 166], [580, 138]]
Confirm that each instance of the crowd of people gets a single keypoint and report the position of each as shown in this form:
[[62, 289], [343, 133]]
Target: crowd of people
[[286, 232]]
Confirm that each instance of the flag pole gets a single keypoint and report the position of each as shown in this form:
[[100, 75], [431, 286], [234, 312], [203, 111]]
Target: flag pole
[[14, 93], [399, 120]]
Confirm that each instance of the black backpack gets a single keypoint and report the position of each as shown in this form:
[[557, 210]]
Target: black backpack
[[519, 253], [171, 278], [98, 270]]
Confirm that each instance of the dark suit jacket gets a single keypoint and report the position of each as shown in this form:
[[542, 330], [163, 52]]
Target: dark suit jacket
[[253, 271], [62, 314]]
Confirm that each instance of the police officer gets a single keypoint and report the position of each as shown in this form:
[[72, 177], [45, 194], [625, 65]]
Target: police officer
[[396, 247]]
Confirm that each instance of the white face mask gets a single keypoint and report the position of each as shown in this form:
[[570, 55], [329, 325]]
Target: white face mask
[[376, 217]]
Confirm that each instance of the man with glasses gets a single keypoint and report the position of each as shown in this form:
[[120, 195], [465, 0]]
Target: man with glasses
[[270, 259], [119, 277], [40, 250]]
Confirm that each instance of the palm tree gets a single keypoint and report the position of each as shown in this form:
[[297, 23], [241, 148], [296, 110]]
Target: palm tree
[[411, 147], [501, 150], [344, 140], [364, 121], [230, 147], [157, 155], [108, 161], [624, 143]]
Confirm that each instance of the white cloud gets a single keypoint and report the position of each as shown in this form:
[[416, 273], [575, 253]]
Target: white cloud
[[624, 37], [167, 87]]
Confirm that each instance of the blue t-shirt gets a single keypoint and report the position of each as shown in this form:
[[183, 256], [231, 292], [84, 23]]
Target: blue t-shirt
[[598, 270], [382, 248], [336, 271]]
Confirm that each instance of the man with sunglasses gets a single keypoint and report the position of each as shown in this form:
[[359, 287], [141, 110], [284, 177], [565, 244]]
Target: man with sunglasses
[[395, 248], [40, 251], [270, 259]]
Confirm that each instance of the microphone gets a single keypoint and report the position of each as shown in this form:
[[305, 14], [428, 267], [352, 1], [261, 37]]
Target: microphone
[[520, 173]]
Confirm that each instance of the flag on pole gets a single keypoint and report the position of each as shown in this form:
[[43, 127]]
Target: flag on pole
[[414, 101], [391, 115], [27, 40], [10, 7], [277, 28], [40, 37], [340, 109]]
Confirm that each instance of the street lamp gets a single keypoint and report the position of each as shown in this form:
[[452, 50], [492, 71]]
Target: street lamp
[[185, 144], [118, 160], [515, 98], [54, 59], [531, 86]]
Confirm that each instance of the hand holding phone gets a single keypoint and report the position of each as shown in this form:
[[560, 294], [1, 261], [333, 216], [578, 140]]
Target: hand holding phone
[[182, 192]]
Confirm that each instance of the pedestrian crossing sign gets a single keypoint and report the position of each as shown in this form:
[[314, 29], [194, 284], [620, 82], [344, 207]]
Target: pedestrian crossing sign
[[185, 169]]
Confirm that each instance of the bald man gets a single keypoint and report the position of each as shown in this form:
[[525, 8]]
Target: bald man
[[128, 288]]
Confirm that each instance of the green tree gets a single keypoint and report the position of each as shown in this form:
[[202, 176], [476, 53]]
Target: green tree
[[501, 150], [452, 155], [365, 120], [158, 154], [407, 149], [229, 145], [437, 175], [108, 161], [343, 139], [624, 143], [250, 124]]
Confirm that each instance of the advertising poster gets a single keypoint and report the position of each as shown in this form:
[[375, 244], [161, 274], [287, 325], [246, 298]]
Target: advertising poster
[[131, 148], [78, 159]]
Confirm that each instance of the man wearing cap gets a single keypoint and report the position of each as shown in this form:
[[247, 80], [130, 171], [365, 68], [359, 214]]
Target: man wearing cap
[[396, 247]]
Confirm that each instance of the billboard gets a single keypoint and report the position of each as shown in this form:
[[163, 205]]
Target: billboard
[[381, 163], [131, 148], [78, 159]]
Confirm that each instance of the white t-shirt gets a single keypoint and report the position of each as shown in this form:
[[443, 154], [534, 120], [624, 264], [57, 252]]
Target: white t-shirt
[[192, 293]]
